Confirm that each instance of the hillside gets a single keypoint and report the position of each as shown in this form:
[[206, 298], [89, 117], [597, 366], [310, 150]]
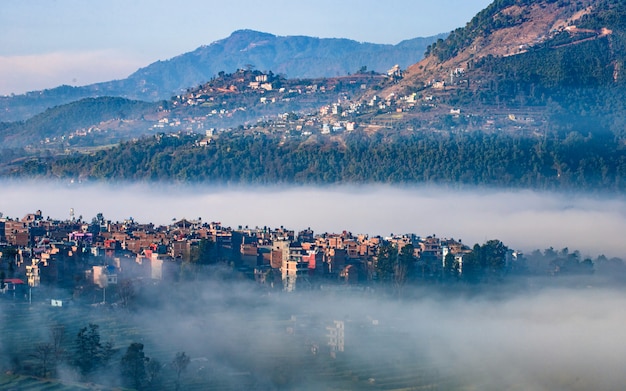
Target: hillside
[[292, 56], [528, 94], [503, 29], [592, 164], [229, 100], [87, 118], [560, 62]]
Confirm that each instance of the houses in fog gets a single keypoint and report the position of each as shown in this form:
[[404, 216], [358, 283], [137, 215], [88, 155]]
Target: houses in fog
[[99, 253]]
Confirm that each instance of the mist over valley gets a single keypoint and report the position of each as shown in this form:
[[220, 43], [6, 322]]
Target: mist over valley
[[238, 337], [301, 213]]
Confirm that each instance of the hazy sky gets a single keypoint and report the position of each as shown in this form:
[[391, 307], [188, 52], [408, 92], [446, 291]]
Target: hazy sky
[[45, 43]]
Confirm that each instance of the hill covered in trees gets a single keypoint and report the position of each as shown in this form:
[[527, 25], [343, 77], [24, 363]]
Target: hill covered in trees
[[527, 94], [576, 162]]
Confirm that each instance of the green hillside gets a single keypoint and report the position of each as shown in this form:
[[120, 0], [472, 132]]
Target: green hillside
[[80, 115], [576, 162]]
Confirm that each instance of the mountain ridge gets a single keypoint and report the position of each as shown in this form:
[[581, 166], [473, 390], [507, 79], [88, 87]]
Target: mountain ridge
[[296, 56]]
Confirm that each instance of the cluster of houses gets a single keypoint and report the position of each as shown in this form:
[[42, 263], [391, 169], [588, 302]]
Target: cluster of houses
[[219, 102], [37, 250]]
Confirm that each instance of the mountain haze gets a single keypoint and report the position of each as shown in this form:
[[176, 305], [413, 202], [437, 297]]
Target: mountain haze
[[294, 56]]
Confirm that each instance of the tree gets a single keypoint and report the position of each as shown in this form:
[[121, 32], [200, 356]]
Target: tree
[[472, 265], [485, 261], [133, 365], [43, 353], [180, 363], [203, 252], [494, 255], [90, 354], [404, 264], [125, 292], [450, 266], [153, 373], [386, 262], [57, 336], [10, 254]]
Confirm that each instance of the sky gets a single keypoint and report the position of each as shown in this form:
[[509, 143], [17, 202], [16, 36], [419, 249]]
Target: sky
[[46, 43]]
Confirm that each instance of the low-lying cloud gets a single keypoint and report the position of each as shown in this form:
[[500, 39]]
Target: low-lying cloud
[[522, 219], [242, 338]]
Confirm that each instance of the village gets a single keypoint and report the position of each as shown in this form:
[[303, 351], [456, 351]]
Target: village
[[256, 102], [336, 106], [92, 255]]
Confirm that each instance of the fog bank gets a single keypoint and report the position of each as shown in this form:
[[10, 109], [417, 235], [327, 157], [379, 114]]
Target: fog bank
[[522, 219]]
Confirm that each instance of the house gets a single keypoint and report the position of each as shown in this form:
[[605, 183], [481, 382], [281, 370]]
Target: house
[[439, 85], [249, 254], [336, 336], [104, 275], [12, 286]]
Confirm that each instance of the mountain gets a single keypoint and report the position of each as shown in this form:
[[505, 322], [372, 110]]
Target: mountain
[[514, 29], [527, 94], [562, 61], [293, 56]]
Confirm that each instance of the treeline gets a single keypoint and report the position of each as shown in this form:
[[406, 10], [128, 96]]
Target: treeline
[[570, 162]]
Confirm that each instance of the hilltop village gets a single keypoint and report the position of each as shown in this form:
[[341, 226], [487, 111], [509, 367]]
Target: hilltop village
[[83, 255], [333, 106], [256, 102]]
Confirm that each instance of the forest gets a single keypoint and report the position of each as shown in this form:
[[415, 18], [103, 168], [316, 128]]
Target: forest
[[574, 161]]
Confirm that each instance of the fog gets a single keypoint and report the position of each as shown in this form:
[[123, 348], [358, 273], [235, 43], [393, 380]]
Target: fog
[[534, 334], [242, 338], [522, 219], [557, 339]]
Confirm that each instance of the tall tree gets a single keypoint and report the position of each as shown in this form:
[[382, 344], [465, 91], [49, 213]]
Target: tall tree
[[57, 339], [90, 353], [494, 255], [153, 374], [180, 364], [133, 366], [450, 267], [473, 265], [404, 265], [125, 292], [386, 262], [43, 353]]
